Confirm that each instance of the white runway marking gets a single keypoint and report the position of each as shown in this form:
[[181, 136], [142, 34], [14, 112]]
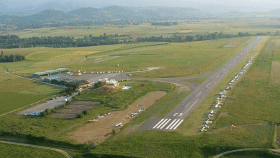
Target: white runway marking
[[208, 84], [178, 124], [165, 124], [180, 114], [158, 123], [195, 102], [175, 114], [161, 123], [174, 124], [224, 69], [170, 124], [218, 75], [198, 94]]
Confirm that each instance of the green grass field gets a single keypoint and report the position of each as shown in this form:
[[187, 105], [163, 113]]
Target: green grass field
[[12, 151], [252, 103], [174, 59], [58, 129], [16, 92], [251, 130]]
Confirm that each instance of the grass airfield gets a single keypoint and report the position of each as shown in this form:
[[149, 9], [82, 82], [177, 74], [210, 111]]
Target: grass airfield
[[252, 104], [173, 59]]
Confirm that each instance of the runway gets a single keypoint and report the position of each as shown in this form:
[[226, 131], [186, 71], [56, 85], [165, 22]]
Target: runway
[[174, 119]]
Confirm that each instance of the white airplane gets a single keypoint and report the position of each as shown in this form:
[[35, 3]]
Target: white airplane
[[212, 112], [210, 115], [228, 88], [218, 98], [217, 106], [205, 126], [203, 129], [119, 124], [208, 122]]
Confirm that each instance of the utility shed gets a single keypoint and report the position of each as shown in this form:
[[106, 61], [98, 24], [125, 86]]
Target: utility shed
[[39, 74], [62, 70]]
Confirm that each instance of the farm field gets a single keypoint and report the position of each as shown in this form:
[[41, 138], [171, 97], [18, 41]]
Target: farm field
[[187, 59], [12, 151], [146, 29]]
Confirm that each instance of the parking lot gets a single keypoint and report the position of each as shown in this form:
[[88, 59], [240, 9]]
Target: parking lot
[[50, 104]]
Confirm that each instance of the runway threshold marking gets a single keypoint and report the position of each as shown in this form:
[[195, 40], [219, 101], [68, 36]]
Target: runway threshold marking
[[162, 123], [165, 124], [170, 124], [178, 124], [174, 124], [158, 123]]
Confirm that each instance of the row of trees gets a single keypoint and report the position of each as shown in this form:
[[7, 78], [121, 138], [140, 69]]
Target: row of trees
[[11, 58], [202, 37], [13, 41]]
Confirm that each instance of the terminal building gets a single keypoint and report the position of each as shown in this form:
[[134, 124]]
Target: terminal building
[[50, 72]]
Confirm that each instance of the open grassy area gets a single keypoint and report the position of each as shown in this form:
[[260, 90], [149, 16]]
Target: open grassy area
[[12, 151], [58, 129], [256, 133], [255, 98], [16, 92], [173, 59], [145, 30]]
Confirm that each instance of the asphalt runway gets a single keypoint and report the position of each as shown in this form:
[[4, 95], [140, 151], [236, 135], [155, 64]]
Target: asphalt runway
[[173, 120]]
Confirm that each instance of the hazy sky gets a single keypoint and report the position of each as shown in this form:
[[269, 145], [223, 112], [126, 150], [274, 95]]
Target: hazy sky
[[241, 5]]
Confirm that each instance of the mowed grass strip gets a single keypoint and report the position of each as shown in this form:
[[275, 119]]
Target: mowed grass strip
[[12, 151], [275, 73]]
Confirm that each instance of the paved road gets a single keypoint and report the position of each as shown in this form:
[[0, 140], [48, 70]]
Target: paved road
[[173, 120], [41, 147], [246, 149]]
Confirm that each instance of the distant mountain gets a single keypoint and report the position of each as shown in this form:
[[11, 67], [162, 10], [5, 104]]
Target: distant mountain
[[144, 13], [274, 12], [87, 13], [118, 15], [58, 5], [48, 15]]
